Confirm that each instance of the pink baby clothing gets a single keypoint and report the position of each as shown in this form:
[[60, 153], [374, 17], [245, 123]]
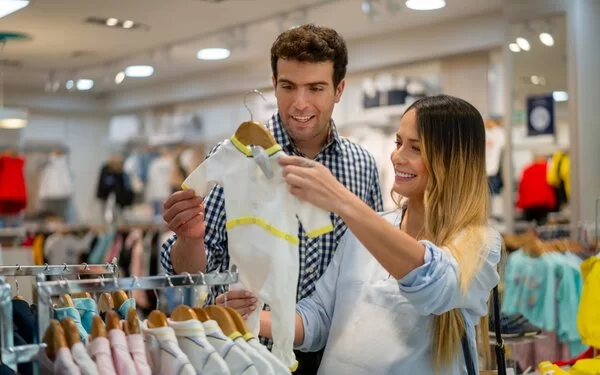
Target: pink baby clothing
[[137, 350], [63, 363], [99, 350], [120, 353]]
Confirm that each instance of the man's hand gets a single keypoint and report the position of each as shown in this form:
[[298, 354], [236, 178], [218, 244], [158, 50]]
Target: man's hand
[[184, 214], [241, 300]]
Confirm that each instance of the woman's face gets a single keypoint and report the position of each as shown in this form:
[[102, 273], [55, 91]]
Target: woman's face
[[411, 174]]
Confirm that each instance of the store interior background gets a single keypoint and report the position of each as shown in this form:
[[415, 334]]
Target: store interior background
[[462, 50]]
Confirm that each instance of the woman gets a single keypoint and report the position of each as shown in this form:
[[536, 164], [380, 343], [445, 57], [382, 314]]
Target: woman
[[406, 289]]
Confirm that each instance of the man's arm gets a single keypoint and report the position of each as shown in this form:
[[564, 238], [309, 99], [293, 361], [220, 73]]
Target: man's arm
[[208, 254]]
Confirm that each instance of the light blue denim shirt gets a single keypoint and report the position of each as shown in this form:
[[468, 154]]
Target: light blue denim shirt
[[375, 324]]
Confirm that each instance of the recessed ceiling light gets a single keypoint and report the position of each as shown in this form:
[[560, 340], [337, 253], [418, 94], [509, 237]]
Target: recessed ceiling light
[[514, 47], [69, 84], [139, 71], [128, 24], [11, 6], [119, 78], [425, 4], [84, 84], [560, 96], [112, 22], [547, 39], [213, 54], [523, 44]]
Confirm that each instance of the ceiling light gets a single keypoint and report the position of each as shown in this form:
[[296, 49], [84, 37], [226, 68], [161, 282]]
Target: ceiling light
[[514, 47], [139, 71], [213, 54], [69, 84], [523, 44], [547, 39], [13, 118], [119, 78], [10, 6], [112, 22], [535, 80], [128, 24], [425, 4], [84, 84], [560, 96]]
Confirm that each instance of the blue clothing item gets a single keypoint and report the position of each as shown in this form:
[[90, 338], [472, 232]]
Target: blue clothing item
[[87, 309], [569, 295], [98, 253], [513, 282], [71, 312], [124, 308], [370, 323]]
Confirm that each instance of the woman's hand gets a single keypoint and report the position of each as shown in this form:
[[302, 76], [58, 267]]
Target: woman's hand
[[313, 182]]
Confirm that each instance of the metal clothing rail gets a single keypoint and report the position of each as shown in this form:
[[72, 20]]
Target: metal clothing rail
[[11, 354], [60, 270], [47, 289]]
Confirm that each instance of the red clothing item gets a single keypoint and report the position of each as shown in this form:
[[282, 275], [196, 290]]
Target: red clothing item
[[13, 194], [534, 190]]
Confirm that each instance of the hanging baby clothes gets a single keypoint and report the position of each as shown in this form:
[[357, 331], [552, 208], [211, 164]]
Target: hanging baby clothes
[[262, 227]]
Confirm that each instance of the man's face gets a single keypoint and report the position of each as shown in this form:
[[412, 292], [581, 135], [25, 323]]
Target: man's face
[[305, 98]]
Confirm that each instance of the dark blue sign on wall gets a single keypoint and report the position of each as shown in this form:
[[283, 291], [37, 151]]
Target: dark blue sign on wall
[[540, 115]]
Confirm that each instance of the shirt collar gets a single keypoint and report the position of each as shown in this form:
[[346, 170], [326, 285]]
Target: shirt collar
[[275, 124]]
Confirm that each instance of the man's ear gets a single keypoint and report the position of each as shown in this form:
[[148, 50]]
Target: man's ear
[[274, 80], [339, 90]]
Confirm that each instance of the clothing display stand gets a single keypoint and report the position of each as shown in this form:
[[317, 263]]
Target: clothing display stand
[[11, 354], [48, 289]]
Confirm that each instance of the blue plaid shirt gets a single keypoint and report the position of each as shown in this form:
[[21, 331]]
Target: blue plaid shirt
[[350, 163]]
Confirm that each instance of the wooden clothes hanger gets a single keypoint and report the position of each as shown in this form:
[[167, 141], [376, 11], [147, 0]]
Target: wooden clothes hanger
[[201, 314], [98, 328], [183, 313], [55, 339], [253, 132], [118, 298], [113, 321], [105, 303], [157, 319], [238, 320], [66, 301], [81, 295], [132, 325], [71, 332], [222, 317]]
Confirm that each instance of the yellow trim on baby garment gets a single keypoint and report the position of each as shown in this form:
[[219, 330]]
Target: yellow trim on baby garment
[[253, 220], [317, 232], [247, 151], [248, 336]]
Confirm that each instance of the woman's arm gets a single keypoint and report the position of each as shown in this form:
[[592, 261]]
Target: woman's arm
[[265, 327], [396, 251]]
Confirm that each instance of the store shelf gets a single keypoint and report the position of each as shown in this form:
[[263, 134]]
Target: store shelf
[[9, 233]]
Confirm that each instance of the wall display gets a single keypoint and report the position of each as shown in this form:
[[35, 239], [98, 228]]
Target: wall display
[[386, 90], [540, 115]]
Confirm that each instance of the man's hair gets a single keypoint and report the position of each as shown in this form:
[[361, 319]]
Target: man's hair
[[311, 43]]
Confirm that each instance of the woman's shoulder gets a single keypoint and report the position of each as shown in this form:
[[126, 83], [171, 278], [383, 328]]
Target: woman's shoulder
[[393, 216]]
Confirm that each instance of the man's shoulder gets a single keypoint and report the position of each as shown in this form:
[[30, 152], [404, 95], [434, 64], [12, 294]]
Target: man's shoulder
[[356, 151]]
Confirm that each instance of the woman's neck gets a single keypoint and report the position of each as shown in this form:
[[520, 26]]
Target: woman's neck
[[414, 218]]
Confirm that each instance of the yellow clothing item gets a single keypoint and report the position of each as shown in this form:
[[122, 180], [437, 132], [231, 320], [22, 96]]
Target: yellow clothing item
[[38, 250], [548, 368], [554, 175], [588, 316], [586, 367]]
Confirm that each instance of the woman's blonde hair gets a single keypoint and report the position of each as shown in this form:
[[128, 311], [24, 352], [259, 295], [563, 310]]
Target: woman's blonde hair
[[452, 137]]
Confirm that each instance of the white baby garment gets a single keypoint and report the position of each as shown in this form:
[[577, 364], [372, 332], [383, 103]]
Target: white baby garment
[[262, 229]]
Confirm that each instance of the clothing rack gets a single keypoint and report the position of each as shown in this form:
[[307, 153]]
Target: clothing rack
[[11, 354], [48, 289], [60, 270]]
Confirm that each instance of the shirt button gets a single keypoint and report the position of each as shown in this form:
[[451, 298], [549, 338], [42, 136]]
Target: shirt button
[[310, 269]]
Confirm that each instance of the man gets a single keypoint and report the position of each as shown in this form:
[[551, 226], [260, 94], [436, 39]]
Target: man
[[309, 66]]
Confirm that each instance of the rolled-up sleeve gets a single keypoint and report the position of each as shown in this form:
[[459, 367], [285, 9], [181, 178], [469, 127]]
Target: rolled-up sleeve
[[434, 288], [317, 309]]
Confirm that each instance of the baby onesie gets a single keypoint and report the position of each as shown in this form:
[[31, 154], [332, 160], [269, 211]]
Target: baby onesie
[[262, 229]]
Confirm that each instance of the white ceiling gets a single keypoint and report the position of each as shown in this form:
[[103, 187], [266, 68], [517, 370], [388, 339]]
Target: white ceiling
[[177, 29]]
